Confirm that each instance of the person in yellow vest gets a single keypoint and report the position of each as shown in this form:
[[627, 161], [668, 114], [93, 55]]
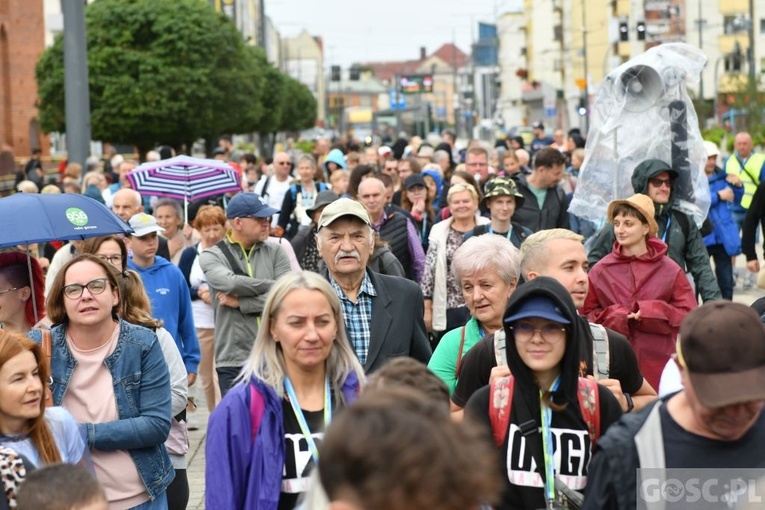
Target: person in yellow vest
[[745, 168]]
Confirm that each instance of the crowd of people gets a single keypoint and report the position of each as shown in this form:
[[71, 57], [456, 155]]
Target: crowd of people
[[423, 318]]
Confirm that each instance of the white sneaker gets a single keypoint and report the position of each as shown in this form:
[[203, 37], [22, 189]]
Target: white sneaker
[[749, 280]]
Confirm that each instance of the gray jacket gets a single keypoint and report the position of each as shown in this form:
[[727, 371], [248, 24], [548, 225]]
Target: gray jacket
[[236, 328]]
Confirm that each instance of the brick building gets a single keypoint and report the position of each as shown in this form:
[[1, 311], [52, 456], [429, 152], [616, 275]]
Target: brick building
[[22, 40]]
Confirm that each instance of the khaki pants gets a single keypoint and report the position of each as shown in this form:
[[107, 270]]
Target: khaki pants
[[207, 372]]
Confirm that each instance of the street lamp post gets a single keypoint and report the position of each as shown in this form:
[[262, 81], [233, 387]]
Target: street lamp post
[[76, 91]]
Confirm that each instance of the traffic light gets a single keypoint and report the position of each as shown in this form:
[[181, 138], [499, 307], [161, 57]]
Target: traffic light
[[641, 31], [355, 73], [624, 31], [335, 70]]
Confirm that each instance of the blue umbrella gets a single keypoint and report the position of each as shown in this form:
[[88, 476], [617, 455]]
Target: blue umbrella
[[27, 218]]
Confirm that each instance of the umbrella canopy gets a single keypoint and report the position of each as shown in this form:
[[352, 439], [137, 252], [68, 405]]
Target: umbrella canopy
[[185, 178], [27, 218]]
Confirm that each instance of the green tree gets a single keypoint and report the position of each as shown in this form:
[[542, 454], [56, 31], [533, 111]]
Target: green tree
[[159, 72], [299, 108]]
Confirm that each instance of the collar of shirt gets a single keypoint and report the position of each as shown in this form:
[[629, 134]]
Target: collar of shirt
[[383, 219], [366, 287]]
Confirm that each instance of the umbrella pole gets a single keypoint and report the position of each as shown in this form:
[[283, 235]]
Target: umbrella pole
[[186, 210], [32, 285]]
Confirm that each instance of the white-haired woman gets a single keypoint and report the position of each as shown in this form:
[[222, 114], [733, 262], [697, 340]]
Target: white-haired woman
[[301, 370], [487, 270]]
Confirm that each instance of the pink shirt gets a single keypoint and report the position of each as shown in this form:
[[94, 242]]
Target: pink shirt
[[90, 399]]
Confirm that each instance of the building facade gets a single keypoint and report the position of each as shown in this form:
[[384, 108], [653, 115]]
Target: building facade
[[22, 40]]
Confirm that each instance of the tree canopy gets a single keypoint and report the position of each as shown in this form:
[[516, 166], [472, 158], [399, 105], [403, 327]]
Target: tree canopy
[[170, 72]]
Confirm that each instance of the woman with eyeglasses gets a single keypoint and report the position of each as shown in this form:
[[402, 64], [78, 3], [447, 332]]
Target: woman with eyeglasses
[[136, 309], [22, 303], [112, 376], [544, 419], [44, 435]]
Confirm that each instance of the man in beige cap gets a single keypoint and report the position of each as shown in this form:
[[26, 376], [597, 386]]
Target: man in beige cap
[[715, 422], [383, 314]]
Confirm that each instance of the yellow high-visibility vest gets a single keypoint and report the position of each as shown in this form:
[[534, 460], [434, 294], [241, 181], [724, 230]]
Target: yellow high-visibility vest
[[753, 165]]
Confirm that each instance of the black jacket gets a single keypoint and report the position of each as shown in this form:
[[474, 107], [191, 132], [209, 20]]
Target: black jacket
[[554, 211]]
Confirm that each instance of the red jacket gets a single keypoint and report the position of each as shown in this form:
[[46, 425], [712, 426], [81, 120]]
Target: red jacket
[[652, 284]]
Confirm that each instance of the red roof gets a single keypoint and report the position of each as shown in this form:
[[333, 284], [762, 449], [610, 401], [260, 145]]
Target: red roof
[[449, 53]]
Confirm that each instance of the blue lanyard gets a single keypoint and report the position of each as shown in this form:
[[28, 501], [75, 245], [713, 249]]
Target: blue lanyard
[[547, 444], [509, 232], [669, 222], [301, 418]]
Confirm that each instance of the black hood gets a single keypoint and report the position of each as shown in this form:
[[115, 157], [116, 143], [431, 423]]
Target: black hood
[[648, 169], [569, 376]]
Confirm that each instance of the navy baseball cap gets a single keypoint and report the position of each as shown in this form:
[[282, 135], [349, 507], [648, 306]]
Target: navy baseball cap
[[538, 306], [249, 205]]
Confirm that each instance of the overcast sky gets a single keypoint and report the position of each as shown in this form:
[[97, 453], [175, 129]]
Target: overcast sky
[[359, 31]]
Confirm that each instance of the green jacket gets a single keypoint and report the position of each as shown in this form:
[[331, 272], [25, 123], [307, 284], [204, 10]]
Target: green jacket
[[683, 239]]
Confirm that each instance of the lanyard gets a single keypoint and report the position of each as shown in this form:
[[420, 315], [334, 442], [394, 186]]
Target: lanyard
[[666, 230], [301, 418], [547, 444], [424, 227], [509, 232]]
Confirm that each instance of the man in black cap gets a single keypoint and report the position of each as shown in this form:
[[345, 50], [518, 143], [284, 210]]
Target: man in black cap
[[654, 177], [715, 422], [541, 139], [304, 242], [240, 270]]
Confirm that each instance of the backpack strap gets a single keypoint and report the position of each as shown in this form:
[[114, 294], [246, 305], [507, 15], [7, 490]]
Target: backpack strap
[[231, 259], [589, 405], [263, 192], [47, 348], [459, 355], [257, 408], [500, 404], [601, 362]]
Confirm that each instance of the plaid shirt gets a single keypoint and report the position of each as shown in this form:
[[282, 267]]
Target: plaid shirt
[[358, 316]]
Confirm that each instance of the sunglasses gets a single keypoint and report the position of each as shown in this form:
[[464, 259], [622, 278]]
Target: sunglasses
[[658, 183]]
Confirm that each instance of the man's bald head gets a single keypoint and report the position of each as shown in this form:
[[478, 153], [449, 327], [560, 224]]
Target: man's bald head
[[127, 202], [743, 144]]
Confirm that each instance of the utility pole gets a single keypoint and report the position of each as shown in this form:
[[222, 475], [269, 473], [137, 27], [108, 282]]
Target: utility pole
[[76, 90], [753, 107], [586, 79], [700, 23]]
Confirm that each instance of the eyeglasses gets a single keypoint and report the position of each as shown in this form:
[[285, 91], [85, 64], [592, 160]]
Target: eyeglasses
[[657, 183], [551, 333], [8, 290], [95, 287], [111, 259]]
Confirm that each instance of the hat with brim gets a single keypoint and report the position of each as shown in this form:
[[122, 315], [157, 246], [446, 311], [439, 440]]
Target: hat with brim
[[502, 186], [722, 348], [541, 307], [414, 180], [641, 203], [249, 205], [322, 199], [343, 207], [144, 224]]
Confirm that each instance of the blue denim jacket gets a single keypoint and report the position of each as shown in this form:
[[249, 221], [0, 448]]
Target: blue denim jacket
[[142, 393]]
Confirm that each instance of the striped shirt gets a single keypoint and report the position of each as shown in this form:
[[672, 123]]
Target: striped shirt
[[358, 316]]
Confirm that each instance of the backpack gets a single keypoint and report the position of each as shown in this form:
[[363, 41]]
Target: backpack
[[600, 353], [501, 403]]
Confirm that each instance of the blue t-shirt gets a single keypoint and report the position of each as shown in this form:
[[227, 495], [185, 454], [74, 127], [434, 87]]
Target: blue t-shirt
[[65, 431]]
